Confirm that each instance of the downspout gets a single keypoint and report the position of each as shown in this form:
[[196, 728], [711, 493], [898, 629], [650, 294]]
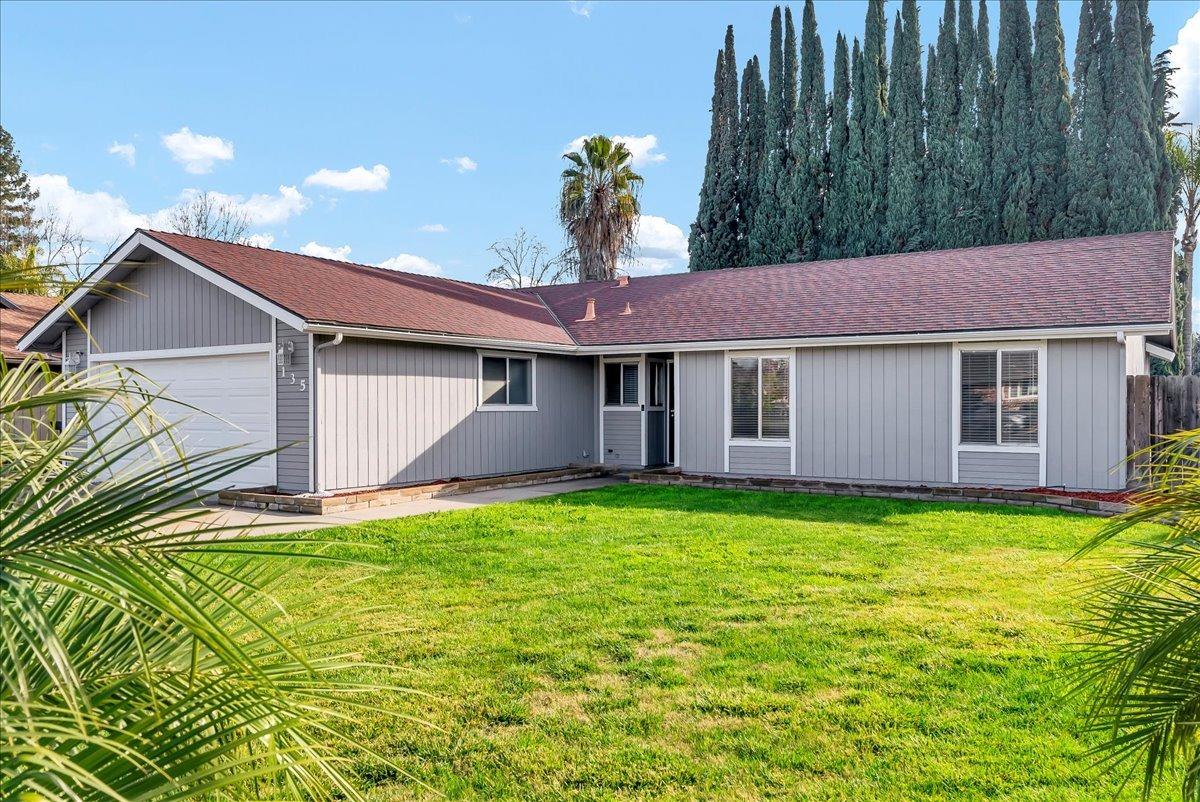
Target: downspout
[[316, 439]]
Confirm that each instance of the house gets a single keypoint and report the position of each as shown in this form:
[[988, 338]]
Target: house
[[18, 313], [992, 366]]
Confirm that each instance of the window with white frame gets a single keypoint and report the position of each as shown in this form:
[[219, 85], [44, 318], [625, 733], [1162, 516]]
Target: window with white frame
[[620, 384], [759, 397], [505, 381], [999, 397]]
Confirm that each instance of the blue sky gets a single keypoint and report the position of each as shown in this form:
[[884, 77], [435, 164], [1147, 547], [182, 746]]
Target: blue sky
[[119, 110]]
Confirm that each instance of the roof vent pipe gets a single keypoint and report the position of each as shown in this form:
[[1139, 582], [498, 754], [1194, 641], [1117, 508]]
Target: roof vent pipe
[[622, 281], [590, 314], [628, 310]]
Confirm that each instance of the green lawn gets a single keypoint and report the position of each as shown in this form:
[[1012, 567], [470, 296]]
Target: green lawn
[[638, 642]]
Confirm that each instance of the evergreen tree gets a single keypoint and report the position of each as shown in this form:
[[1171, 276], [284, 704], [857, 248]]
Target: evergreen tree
[[1051, 123], [17, 222], [714, 240], [1011, 124], [985, 229], [969, 213], [906, 141], [944, 108], [700, 255], [1167, 185], [874, 98], [836, 214], [1132, 165], [771, 241], [856, 198], [1087, 182], [753, 145], [809, 141]]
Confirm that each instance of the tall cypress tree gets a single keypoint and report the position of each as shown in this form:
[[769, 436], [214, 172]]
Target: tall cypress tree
[[856, 199], [906, 141], [969, 215], [836, 214], [770, 240], [1087, 144], [1051, 123], [874, 99], [986, 230], [943, 101], [809, 142], [751, 152], [1011, 123], [714, 241], [1132, 166]]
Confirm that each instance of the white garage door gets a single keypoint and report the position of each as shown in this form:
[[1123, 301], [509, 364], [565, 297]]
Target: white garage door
[[235, 389]]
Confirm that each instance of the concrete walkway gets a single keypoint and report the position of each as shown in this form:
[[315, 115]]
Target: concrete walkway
[[298, 522]]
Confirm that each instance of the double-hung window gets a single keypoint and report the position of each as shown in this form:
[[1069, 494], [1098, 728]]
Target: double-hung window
[[506, 382], [620, 384], [760, 397], [1000, 395]]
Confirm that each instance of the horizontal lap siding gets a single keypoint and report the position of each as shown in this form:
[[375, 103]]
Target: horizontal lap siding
[[700, 409], [163, 305], [399, 413], [1085, 414], [874, 412], [997, 468], [760, 460], [623, 437], [292, 420]]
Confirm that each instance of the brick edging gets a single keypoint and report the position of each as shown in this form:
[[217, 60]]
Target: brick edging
[[388, 496], [1018, 498]]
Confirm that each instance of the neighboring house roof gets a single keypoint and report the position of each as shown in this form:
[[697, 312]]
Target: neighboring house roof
[[1122, 279], [329, 291], [18, 312]]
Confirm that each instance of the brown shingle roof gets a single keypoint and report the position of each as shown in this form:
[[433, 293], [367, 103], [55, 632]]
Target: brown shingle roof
[[15, 322], [1110, 280], [329, 291]]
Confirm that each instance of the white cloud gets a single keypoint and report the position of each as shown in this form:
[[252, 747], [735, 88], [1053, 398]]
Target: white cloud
[[643, 149], [464, 164], [96, 216], [356, 179], [340, 253], [197, 152], [261, 209], [261, 240], [661, 247], [1185, 58], [125, 150], [433, 228], [411, 264], [582, 8]]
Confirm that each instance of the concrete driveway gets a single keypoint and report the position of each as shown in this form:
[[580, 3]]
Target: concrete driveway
[[298, 522]]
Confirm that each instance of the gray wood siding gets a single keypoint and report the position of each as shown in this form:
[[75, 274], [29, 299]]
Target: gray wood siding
[[623, 437], [399, 413], [700, 408], [166, 306], [760, 460], [76, 340], [292, 414], [874, 412], [998, 469], [1085, 414]]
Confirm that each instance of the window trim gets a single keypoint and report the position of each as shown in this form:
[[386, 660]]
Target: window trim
[[636, 404], [956, 445], [506, 356], [761, 442]]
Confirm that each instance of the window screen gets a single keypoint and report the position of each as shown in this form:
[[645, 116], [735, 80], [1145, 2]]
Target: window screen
[[999, 398], [520, 381], [1019, 397], [743, 397], [775, 391], [507, 381], [495, 380], [629, 383], [759, 398]]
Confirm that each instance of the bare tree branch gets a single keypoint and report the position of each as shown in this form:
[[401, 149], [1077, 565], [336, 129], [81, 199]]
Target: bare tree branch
[[524, 262], [211, 217]]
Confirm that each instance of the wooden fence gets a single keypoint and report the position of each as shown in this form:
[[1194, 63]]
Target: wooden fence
[[1159, 405]]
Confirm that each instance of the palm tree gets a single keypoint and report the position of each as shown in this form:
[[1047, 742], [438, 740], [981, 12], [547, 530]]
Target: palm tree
[[1184, 153], [142, 655], [1139, 660], [599, 206]]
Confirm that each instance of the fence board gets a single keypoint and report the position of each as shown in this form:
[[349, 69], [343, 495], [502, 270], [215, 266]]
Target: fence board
[[1156, 406]]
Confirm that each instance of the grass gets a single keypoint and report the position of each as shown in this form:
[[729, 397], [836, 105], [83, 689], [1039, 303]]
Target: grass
[[669, 643]]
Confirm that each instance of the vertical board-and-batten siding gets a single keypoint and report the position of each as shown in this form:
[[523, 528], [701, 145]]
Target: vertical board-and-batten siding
[[1085, 414], [293, 416], [623, 437], [999, 469], [167, 306], [398, 413], [700, 408], [760, 460]]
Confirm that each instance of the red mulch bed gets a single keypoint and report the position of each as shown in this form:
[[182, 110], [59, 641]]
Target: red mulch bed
[[1119, 496]]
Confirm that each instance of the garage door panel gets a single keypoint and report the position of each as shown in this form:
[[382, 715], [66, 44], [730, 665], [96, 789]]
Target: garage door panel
[[232, 397]]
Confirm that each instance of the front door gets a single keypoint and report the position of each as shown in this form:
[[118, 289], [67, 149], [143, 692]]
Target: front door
[[659, 413]]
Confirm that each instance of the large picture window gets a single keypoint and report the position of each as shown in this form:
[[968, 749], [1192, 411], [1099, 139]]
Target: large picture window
[[505, 381], [759, 397], [620, 384], [999, 398]]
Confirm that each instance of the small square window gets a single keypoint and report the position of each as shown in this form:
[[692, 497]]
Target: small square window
[[506, 381], [620, 384]]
